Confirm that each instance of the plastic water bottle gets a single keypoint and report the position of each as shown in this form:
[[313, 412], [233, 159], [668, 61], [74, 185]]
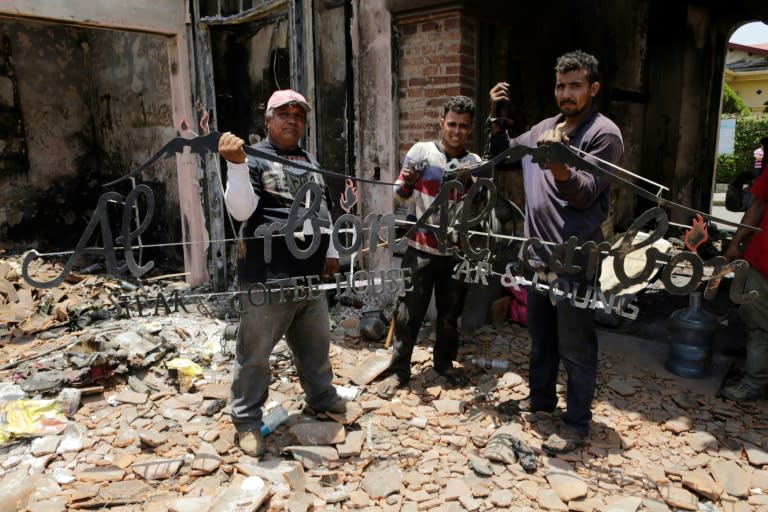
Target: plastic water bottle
[[348, 392], [490, 364], [274, 419], [70, 398]]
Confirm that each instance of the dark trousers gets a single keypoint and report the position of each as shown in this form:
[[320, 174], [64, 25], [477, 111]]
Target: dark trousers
[[428, 272], [564, 333], [755, 317]]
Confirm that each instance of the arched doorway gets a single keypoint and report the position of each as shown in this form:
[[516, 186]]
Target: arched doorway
[[742, 121]]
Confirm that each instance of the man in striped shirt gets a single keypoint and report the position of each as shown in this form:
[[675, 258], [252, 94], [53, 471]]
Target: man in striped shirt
[[422, 175]]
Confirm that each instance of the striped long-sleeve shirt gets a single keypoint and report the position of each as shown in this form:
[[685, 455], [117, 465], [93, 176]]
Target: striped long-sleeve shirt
[[420, 196]]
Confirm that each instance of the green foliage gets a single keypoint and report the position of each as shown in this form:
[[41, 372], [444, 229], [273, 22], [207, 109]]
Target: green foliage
[[749, 131], [733, 103], [726, 171]]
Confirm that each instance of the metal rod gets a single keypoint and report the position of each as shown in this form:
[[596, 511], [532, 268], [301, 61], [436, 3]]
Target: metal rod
[[642, 178]]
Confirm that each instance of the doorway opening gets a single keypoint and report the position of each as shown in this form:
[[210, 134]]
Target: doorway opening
[[743, 120]]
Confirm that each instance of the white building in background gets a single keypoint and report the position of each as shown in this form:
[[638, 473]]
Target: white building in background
[[746, 71]]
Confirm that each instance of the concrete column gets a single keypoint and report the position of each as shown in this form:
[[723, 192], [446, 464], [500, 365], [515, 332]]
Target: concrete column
[[376, 141], [194, 233]]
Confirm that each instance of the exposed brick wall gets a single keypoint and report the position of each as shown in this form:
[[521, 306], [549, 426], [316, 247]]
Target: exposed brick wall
[[436, 60]]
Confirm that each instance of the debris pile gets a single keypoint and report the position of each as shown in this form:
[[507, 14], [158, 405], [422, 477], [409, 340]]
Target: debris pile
[[132, 414]]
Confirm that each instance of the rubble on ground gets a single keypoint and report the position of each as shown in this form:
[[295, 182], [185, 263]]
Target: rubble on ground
[[105, 412]]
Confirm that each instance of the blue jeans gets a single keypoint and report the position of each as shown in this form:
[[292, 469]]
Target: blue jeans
[[428, 272], [562, 333], [307, 332]]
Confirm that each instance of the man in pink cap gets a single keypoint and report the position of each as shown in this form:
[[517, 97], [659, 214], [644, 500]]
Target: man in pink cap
[[287, 97], [260, 192]]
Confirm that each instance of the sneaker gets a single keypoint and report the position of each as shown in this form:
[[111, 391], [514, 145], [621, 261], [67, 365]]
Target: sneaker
[[251, 442], [564, 441], [741, 392], [387, 388]]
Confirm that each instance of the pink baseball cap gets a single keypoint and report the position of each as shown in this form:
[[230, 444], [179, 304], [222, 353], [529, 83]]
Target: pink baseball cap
[[285, 96]]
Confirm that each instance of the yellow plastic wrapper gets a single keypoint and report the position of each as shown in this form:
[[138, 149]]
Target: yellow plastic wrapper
[[20, 418], [185, 367]]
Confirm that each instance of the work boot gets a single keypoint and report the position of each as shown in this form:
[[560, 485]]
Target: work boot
[[453, 376], [524, 406], [251, 442], [742, 392], [342, 410], [564, 441], [340, 406]]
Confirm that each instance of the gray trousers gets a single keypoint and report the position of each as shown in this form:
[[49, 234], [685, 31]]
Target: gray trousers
[[755, 317], [307, 332]]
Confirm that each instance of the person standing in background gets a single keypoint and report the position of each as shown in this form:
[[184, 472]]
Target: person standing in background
[[754, 383]]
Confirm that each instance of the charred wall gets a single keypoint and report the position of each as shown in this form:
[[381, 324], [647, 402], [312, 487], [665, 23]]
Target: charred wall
[[334, 140], [250, 61], [13, 147], [132, 118], [91, 104]]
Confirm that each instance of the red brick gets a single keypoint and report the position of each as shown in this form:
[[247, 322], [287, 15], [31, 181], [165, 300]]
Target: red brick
[[412, 61], [451, 32], [451, 23], [431, 93], [452, 47], [431, 69], [450, 58], [430, 26]]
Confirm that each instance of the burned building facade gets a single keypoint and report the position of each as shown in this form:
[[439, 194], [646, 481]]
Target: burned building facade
[[88, 92]]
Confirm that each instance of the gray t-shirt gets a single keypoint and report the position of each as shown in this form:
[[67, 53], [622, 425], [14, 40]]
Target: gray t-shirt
[[557, 210]]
